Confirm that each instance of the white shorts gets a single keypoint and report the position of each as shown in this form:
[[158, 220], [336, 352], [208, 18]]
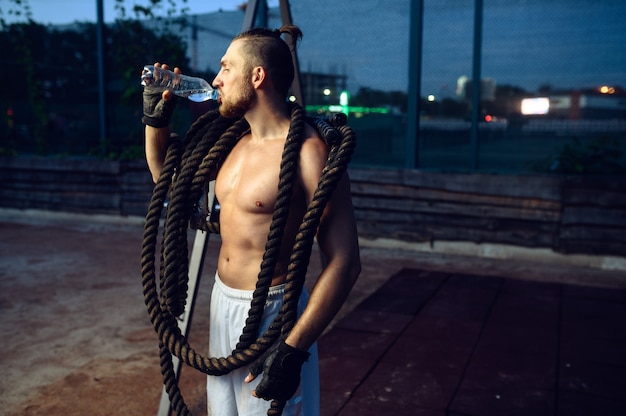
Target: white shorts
[[228, 395]]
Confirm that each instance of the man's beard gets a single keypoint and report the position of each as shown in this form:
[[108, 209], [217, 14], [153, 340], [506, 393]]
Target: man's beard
[[237, 108]]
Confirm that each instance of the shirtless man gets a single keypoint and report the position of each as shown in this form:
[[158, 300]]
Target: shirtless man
[[253, 83]]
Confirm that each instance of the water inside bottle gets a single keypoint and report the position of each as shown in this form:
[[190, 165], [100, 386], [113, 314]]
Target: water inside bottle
[[201, 96]]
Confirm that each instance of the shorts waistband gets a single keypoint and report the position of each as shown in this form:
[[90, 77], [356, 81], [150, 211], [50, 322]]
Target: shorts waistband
[[275, 292]]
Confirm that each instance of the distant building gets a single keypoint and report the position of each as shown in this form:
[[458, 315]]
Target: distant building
[[487, 88]]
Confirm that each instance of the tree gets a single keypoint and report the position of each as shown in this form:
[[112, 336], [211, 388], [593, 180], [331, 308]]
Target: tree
[[53, 95], [18, 9]]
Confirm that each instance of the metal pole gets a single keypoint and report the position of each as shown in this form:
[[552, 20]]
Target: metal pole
[[476, 82], [415, 79], [250, 17], [196, 264], [296, 86], [194, 42], [261, 15], [101, 80]]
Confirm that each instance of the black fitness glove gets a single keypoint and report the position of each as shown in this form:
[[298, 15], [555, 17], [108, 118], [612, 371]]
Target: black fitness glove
[[281, 372], [157, 112]]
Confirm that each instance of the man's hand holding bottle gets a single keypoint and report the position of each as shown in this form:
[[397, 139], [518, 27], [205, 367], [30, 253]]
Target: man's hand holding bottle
[[158, 103]]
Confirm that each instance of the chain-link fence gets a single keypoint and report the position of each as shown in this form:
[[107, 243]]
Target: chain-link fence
[[552, 84]]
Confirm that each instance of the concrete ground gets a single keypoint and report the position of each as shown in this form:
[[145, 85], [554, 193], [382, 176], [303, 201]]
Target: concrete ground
[[422, 333]]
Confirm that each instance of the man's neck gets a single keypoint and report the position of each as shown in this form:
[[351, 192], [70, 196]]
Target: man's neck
[[268, 121]]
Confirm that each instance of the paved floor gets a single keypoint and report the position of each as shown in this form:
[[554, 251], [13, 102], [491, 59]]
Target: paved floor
[[421, 334], [436, 343]]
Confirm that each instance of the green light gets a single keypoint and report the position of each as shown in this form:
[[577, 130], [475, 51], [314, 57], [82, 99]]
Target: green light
[[348, 108]]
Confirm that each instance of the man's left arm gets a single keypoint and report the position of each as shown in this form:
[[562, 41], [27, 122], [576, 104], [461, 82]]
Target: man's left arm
[[338, 240]]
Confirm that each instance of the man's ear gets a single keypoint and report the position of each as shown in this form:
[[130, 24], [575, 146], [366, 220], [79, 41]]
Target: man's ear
[[258, 76]]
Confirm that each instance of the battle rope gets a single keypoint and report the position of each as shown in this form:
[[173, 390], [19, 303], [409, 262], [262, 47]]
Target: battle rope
[[184, 180]]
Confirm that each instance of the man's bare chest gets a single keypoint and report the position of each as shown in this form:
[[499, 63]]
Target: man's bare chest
[[248, 179]]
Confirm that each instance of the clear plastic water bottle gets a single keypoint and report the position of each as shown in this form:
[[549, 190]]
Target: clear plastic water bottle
[[194, 88]]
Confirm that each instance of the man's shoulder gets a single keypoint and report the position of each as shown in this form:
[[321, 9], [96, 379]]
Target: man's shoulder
[[313, 156], [313, 142]]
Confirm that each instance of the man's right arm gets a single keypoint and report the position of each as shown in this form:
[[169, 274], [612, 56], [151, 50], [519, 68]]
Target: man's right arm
[[157, 111], [155, 146]]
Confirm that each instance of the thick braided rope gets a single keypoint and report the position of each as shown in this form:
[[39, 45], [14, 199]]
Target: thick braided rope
[[337, 163], [160, 316], [162, 319], [175, 275], [177, 221]]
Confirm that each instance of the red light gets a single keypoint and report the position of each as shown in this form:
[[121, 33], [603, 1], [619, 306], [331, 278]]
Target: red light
[[488, 118]]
